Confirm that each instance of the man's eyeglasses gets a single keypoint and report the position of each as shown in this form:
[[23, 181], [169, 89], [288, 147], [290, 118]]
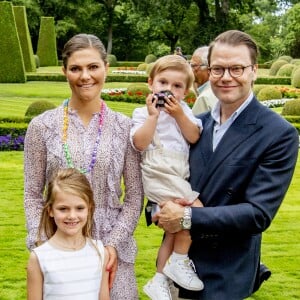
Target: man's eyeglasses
[[234, 71], [194, 66]]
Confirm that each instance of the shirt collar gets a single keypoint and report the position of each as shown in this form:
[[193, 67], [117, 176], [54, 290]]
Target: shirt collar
[[215, 113]]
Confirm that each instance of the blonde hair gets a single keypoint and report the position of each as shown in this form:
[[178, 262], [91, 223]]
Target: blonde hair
[[69, 181], [173, 62]]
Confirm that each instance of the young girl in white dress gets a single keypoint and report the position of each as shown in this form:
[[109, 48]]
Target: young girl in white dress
[[69, 265]]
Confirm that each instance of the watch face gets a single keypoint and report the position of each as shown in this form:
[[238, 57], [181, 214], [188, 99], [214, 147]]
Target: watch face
[[186, 224]]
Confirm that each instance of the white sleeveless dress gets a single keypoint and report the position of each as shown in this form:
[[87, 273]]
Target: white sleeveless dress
[[72, 275]]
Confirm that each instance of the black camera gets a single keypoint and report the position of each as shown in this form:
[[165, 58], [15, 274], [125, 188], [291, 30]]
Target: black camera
[[161, 98]]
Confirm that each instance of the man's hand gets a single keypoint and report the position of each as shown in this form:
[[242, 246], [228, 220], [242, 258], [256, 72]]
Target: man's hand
[[169, 216], [112, 264]]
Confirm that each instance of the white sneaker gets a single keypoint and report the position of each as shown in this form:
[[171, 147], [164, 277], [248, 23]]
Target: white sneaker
[[157, 290], [183, 273]]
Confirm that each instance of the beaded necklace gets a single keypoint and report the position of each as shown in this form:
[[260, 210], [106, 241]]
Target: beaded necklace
[[65, 137]]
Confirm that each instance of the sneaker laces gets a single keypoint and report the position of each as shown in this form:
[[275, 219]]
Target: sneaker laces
[[188, 266], [165, 287]]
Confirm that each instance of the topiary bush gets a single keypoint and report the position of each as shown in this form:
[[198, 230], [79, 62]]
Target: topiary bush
[[112, 60], [149, 68], [296, 78], [138, 89], [285, 57], [256, 88], [295, 61], [12, 69], [285, 70], [150, 58], [46, 47], [291, 108], [25, 39], [276, 66], [142, 67], [37, 61], [269, 93], [38, 107]]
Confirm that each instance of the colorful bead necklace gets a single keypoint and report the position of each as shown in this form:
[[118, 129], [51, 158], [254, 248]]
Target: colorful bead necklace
[[65, 137]]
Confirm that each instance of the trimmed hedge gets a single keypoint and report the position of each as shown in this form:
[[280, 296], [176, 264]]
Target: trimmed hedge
[[274, 80], [12, 68], [46, 48], [25, 39]]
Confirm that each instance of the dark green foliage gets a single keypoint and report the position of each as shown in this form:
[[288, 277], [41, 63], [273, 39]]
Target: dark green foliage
[[150, 58], [269, 93], [296, 78], [112, 60], [273, 80], [12, 68], [24, 37], [38, 107], [46, 49], [276, 66], [14, 129], [291, 108]]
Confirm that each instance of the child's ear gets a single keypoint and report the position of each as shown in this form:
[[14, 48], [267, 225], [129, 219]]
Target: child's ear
[[50, 212]]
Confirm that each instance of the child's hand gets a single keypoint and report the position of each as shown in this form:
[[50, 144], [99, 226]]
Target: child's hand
[[151, 105], [173, 107]]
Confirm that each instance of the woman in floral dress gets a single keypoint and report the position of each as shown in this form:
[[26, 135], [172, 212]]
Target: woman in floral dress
[[85, 134]]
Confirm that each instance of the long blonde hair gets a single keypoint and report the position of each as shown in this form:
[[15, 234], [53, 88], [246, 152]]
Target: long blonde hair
[[69, 181]]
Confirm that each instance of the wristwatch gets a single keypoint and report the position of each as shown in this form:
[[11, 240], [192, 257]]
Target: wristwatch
[[186, 220]]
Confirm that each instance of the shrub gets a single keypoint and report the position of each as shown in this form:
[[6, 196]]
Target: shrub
[[291, 108], [149, 68], [46, 47], [38, 107], [269, 93], [138, 89], [25, 39], [142, 67], [296, 78], [285, 57], [295, 61], [256, 88], [286, 70], [276, 66], [112, 60], [12, 69], [150, 58], [295, 69], [37, 61]]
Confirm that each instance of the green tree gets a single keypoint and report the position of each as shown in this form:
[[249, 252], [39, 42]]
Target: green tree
[[291, 31]]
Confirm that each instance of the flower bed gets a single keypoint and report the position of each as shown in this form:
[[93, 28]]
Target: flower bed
[[9, 143]]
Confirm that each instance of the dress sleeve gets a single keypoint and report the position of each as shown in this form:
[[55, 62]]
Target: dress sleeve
[[34, 178]]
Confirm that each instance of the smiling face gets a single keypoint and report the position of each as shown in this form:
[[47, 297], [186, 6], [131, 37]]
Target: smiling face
[[232, 91], [70, 214], [85, 72], [172, 80]]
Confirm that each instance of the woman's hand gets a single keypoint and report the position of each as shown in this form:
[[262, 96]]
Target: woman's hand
[[112, 264]]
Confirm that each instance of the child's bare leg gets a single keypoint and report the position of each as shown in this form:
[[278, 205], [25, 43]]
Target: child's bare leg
[[182, 242], [165, 251]]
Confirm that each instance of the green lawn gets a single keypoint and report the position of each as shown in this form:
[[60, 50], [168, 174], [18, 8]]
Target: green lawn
[[280, 249]]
